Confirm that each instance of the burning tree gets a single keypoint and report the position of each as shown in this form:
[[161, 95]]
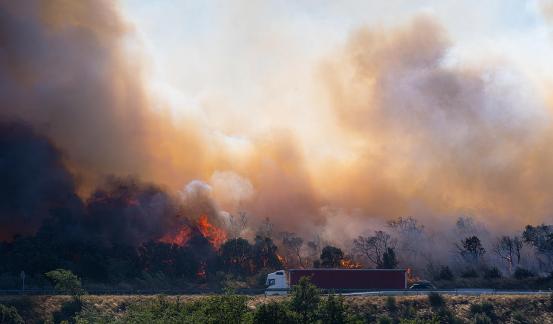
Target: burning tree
[[378, 249], [508, 249]]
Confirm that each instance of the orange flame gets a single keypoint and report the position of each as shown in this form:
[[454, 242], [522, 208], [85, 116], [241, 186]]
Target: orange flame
[[180, 239], [349, 264], [411, 278], [201, 270], [216, 236], [281, 259]]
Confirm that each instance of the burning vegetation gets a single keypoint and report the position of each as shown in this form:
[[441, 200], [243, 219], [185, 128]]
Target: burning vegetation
[[76, 129]]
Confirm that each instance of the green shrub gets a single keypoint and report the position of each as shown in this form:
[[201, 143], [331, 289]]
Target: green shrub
[[434, 320], [305, 300], [272, 312], [214, 309], [482, 319], [391, 304], [445, 316], [521, 273], [9, 315], [436, 300], [66, 282], [332, 310], [519, 318], [486, 309], [384, 320], [68, 311]]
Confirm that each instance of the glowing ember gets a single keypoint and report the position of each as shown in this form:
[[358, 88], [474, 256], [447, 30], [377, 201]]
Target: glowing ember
[[201, 270], [180, 239], [281, 259], [216, 236], [411, 278], [349, 264]]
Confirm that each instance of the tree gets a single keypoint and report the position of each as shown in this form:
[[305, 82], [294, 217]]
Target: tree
[[508, 249], [66, 282], [332, 310], [304, 301], [274, 313], [389, 260], [293, 245], [9, 315], [331, 257], [236, 256], [471, 249], [265, 253], [238, 223], [541, 238], [374, 247]]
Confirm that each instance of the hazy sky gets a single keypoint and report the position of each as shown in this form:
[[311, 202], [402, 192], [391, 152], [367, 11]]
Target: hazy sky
[[227, 62]]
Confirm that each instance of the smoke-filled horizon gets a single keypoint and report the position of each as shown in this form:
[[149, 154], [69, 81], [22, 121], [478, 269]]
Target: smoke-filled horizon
[[388, 119]]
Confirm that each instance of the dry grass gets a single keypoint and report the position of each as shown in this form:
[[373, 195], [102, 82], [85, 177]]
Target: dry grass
[[535, 308]]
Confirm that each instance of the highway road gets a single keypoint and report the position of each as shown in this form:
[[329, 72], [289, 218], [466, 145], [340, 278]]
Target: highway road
[[464, 292]]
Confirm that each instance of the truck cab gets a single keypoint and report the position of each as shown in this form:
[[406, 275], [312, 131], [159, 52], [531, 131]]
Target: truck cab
[[277, 283]]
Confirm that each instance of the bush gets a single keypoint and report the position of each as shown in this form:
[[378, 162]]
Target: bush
[[492, 273], [486, 309], [214, 309], [521, 273], [434, 320], [436, 300], [445, 274], [305, 299], [9, 315], [469, 273], [519, 318], [68, 311], [332, 310], [273, 313], [384, 320], [391, 304], [445, 316], [482, 319], [66, 282]]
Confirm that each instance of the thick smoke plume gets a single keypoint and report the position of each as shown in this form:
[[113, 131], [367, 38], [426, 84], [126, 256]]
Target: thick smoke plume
[[439, 137], [34, 180], [423, 134]]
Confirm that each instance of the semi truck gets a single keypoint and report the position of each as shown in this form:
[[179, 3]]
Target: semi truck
[[281, 281]]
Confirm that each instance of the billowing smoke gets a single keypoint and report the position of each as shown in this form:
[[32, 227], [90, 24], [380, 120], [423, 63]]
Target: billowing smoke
[[414, 131], [33, 180], [65, 71], [436, 136]]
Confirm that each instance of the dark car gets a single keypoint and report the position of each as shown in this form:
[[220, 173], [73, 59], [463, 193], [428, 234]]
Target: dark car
[[422, 285]]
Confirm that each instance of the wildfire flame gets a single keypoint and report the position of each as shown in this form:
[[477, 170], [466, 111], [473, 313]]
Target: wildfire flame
[[281, 259], [216, 236], [349, 264], [201, 273], [411, 278], [180, 239]]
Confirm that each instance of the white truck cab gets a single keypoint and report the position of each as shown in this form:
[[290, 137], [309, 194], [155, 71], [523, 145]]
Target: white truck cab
[[277, 283]]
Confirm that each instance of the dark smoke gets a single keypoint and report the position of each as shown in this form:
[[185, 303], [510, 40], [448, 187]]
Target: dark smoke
[[33, 180]]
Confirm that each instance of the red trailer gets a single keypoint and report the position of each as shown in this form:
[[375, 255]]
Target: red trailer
[[352, 278]]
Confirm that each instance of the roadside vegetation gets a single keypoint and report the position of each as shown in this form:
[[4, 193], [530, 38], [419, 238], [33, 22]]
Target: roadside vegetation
[[304, 305]]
